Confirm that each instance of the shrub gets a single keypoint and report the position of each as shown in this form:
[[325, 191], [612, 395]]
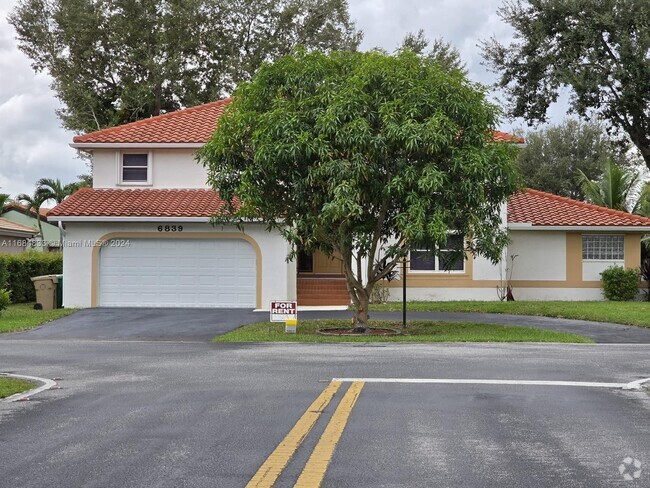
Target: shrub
[[620, 284], [21, 267], [5, 299]]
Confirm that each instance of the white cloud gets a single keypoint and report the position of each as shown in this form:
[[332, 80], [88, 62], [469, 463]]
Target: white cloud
[[33, 145]]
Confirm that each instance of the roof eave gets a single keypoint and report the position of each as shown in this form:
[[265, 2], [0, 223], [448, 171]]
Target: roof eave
[[137, 145], [146, 218], [113, 218], [18, 233], [588, 228]]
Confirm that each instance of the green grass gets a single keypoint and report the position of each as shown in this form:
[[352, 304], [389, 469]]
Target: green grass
[[630, 313], [10, 386], [417, 331], [22, 316]]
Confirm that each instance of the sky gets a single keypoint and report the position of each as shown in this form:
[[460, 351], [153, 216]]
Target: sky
[[33, 145]]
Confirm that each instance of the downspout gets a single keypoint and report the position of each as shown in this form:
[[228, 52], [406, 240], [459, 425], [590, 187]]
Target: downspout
[[62, 234]]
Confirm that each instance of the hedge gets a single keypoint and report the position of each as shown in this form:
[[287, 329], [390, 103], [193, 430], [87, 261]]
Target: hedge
[[17, 269], [620, 284]]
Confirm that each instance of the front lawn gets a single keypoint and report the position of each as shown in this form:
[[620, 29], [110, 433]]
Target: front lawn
[[22, 316], [417, 331], [11, 386], [631, 313]]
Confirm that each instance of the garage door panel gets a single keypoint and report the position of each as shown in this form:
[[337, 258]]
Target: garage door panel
[[178, 273]]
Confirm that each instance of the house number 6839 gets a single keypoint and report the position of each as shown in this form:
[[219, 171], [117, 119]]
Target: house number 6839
[[170, 228]]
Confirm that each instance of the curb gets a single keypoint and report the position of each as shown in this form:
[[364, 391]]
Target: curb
[[46, 384]]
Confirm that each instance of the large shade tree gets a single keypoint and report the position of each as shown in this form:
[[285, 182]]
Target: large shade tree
[[599, 49], [117, 61], [553, 155], [362, 156]]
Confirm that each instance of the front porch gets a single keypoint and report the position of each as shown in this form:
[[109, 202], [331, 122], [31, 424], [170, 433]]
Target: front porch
[[320, 281]]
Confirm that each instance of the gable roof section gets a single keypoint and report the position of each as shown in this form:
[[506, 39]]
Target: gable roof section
[[181, 203], [193, 125], [25, 211], [15, 228], [541, 209]]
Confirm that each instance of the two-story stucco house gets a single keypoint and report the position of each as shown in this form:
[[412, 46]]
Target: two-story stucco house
[[142, 237]]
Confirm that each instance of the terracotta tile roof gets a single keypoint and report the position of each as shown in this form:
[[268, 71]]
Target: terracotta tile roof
[[9, 226], [96, 202], [545, 209], [191, 125], [505, 137]]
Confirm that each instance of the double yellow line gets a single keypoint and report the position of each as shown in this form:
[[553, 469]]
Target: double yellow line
[[314, 471]]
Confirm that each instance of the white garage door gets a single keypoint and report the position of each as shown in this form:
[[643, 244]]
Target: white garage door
[[178, 273]]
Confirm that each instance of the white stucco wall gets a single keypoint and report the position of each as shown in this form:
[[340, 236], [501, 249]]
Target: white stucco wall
[[443, 294], [591, 269], [490, 294], [559, 294], [278, 276], [170, 168], [541, 255], [483, 269]]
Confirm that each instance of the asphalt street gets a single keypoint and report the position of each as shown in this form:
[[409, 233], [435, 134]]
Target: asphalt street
[[180, 414]]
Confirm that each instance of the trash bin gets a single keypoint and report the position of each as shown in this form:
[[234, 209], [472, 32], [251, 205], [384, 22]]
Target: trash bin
[[59, 291], [45, 287]]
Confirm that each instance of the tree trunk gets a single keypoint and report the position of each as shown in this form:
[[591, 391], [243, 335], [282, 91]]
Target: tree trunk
[[361, 316]]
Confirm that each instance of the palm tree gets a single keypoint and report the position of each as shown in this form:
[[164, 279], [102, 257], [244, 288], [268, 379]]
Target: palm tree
[[3, 200], [33, 203], [642, 206], [53, 189], [614, 189]]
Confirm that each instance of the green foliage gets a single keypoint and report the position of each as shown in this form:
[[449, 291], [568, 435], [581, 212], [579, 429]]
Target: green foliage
[[599, 49], [642, 206], [620, 284], [441, 52], [5, 299], [363, 155], [21, 267], [53, 189], [33, 203], [117, 61], [613, 189], [553, 155]]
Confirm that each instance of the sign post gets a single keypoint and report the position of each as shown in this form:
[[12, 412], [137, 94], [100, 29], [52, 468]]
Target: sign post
[[287, 312]]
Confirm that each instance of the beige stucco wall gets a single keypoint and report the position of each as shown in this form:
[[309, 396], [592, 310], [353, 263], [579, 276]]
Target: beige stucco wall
[[80, 257], [549, 266], [171, 168]]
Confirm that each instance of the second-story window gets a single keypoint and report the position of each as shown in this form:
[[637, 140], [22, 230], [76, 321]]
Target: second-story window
[[135, 168]]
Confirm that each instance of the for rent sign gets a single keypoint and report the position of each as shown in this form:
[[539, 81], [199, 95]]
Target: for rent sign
[[283, 311]]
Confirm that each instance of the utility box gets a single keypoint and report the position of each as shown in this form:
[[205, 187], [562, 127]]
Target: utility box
[[59, 291], [46, 287]]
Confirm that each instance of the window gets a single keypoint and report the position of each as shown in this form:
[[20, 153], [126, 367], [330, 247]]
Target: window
[[449, 258], [135, 168], [610, 247]]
